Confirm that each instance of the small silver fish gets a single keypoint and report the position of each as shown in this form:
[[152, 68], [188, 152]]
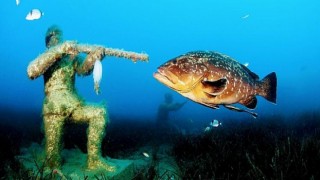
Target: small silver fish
[[97, 75], [34, 14], [145, 154], [207, 129], [215, 123], [246, 16]]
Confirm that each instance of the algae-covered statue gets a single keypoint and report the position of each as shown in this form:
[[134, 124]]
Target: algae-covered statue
[[59, 64]]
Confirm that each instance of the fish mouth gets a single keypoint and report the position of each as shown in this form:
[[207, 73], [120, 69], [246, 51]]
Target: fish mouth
[[172, 81], [161, 76]]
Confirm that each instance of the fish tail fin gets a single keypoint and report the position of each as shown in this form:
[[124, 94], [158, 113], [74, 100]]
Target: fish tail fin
[[268, 87]]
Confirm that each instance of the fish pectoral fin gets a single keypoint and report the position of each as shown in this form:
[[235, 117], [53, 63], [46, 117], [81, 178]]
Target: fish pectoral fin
[[214, 88], [255, 115], [213, 106], [250, 102]]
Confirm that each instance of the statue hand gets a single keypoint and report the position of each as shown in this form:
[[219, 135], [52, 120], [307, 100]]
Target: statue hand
[[99, 53]]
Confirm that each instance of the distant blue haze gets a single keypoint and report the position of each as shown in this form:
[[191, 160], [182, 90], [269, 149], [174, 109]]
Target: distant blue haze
[[281, 36]]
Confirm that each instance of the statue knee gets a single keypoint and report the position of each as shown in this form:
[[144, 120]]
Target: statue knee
[[100, 117], [103, 113]]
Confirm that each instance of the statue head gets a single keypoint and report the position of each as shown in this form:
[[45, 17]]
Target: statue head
[[53, 36]]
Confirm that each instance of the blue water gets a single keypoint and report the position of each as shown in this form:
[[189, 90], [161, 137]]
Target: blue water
[[280, 36]]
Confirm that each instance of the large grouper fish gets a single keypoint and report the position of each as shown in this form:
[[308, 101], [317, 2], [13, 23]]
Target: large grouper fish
[[214, 79]]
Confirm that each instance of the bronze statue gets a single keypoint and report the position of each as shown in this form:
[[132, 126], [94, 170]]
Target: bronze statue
[[59, 65]]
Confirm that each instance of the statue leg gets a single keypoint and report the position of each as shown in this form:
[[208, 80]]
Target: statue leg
[[97, 118], [53, 125]]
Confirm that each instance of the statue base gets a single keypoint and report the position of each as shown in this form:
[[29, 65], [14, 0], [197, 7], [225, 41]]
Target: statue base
[[73, 166]]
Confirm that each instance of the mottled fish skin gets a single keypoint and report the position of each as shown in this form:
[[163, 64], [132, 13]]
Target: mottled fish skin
[[212, 79]]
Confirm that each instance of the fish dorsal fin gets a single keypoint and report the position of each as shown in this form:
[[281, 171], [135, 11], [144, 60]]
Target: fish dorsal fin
[[252, 74], [250, 102], [214, 88]]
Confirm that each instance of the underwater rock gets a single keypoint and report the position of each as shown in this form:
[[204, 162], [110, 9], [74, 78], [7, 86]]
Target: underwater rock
[[74, 166]]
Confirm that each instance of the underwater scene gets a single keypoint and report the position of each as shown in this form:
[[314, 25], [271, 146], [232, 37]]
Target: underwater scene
[[164, 89]]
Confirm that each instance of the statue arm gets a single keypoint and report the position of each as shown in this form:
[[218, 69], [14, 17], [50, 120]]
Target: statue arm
[[40, 65], [93, 53], [96, 52]]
